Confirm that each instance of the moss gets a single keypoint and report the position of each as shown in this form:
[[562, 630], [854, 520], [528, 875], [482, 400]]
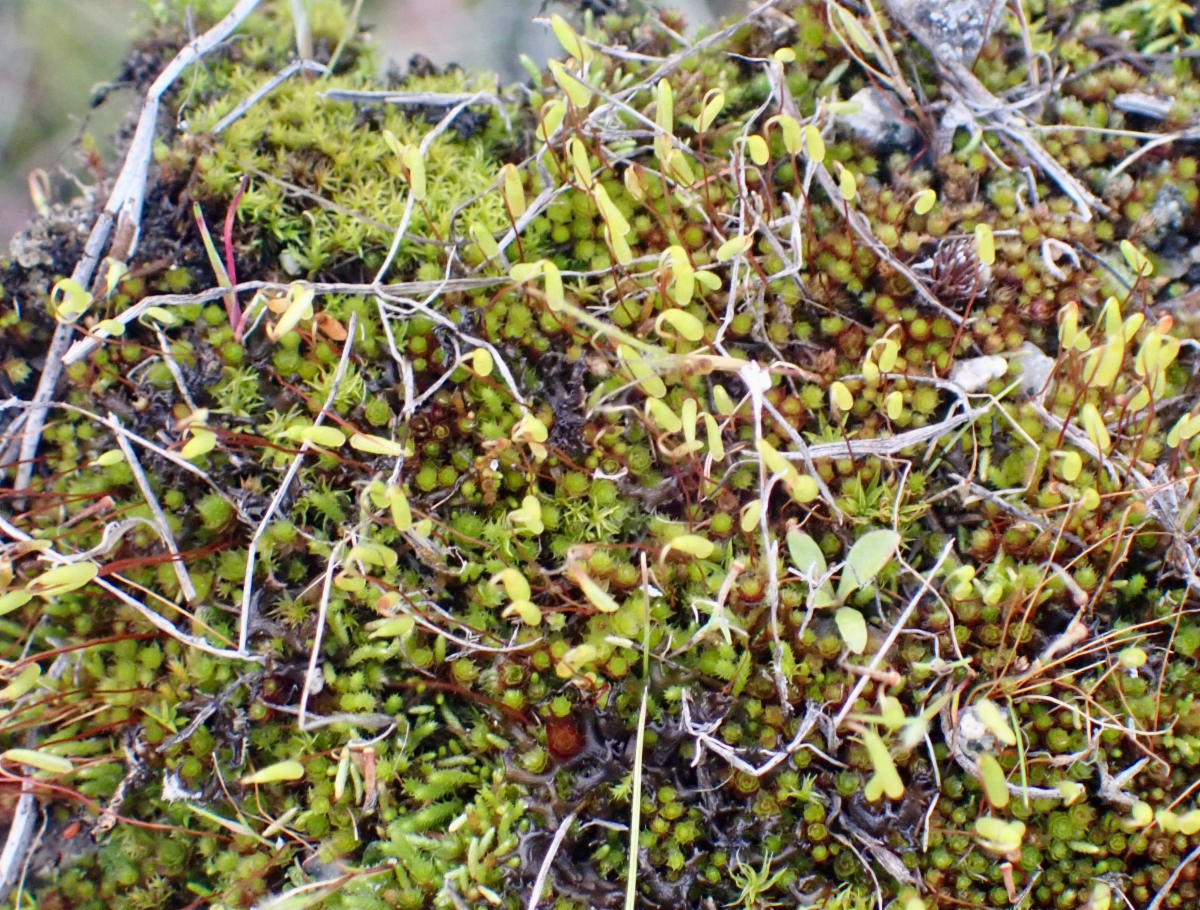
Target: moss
[[490, 621]]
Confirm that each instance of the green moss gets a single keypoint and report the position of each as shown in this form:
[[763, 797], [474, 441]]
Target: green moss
[[493, 725]]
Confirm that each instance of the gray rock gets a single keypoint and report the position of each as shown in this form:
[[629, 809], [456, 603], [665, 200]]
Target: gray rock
[[953, 29], [879, 121], [1035, 367]]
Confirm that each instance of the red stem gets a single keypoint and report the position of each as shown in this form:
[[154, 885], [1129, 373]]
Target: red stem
[[235, 314]]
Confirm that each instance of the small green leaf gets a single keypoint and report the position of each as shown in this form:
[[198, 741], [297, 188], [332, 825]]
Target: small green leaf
[[63, 579], [985, 244], [578, 154], [995, 783], [482, 362], [1141, 814], [737, 245], [815, 144], [760, 152], [721, 400], [692, 544], [485, 240], [1132, 658], [885, 769], [860, 38], [793, 136], [578, 93], [662, 416], [1136, 259], [300, 300], [14, 600], [110, 327], [569, 38], [1093, 425], [866, 559], [160, 315], [1071, 791], [775, 462], [716, 445], [273, 774], [1070, 465], [620, 226], [1185, 428], [853, 628], [202, 442], [108, 459], [651, 383], [514, 192], [597, 596], [376, 445], [515, 584], [398, 505], [847, 185], [326, 437], [43, 761], [803, 488], [553, 113], [24, 682], [396, 627], [524, 610], [805, 554], [416, 171], [664, 114], [714, 103], [683, 322], [999, 836], [575, 660], [894, 405], [924, 201], [750, 516], [555, 298], [371, 553], [682, 273], [840, 395], [70, 299]]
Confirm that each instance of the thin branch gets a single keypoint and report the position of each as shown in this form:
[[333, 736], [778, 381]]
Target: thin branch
[[1169, 884], [423, 150], [318, 633], [293, 468], [296, 66], [159, 622], [548, 860], [160, 517]]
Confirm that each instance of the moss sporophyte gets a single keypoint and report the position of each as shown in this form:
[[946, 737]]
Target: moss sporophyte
[[746, 468]]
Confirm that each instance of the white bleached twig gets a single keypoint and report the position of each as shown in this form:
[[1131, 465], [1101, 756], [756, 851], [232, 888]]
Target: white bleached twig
[[124, 209], [160, 517]]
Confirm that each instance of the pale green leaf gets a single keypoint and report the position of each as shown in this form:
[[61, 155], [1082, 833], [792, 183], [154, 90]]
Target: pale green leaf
[[63, 579], [805, 554], [995, 783], [43, 761], [866, 559], [279, 772], [376, 445], [853, 628]]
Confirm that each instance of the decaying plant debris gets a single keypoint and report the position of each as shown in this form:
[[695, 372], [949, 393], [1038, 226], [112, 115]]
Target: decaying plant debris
[[775, 452]]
